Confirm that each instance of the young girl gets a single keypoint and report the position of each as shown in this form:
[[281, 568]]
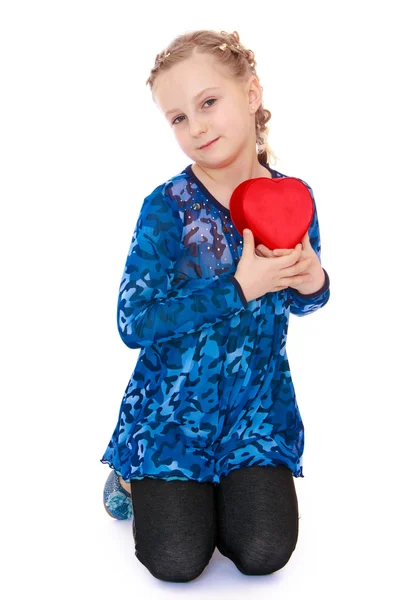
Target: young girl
[[209, 435]]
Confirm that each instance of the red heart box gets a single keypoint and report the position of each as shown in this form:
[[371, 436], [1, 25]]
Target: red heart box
[[278, 211]]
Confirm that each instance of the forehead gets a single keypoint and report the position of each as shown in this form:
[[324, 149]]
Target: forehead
[[182, 82]]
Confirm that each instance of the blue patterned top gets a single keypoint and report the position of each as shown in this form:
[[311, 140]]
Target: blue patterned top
[[211, 390]]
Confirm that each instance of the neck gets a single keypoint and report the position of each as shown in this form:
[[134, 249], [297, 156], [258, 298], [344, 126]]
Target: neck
[[231, 173]]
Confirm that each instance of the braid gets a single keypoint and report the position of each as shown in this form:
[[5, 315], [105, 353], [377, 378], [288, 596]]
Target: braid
[[236, 47], [159, 62]]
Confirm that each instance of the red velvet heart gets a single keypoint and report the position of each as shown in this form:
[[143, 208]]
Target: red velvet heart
[[278, 211]]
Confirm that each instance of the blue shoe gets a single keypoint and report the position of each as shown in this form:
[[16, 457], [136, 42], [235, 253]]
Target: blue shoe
[[117, 501]]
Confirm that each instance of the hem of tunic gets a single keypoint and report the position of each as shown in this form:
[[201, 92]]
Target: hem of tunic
[[297, 471]]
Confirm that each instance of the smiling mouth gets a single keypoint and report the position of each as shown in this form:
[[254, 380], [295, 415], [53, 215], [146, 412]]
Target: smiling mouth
[[209, 144]]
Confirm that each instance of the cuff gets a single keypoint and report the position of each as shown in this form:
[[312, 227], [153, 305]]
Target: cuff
[[239, 289]]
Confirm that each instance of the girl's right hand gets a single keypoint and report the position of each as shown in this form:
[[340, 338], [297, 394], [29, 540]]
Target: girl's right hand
[[259, 275]]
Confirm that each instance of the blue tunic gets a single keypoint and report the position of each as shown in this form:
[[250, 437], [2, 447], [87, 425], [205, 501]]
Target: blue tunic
[[211, 390]]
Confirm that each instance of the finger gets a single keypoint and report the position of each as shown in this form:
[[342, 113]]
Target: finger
[[305, 240], [249, 243], [263, 248], [286, 260], [265, 252], [297, 248], [296, 252], [296, 280], [302, 268], [299, 268], [281, 251]]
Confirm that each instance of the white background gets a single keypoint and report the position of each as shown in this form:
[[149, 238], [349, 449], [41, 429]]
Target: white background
[[81, 145]]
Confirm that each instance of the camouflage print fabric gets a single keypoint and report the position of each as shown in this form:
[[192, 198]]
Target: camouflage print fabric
[[211, 390]]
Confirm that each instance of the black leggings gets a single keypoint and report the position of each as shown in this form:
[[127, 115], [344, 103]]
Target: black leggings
[[251, 516]]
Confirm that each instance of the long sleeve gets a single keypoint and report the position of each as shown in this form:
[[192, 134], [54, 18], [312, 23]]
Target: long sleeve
[[304, 304], [149, 310]]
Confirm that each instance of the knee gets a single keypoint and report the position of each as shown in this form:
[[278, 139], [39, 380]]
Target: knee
[[175, 569], [262, 563]]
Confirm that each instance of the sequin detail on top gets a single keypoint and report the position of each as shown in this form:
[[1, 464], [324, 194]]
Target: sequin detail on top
[[211, 390]]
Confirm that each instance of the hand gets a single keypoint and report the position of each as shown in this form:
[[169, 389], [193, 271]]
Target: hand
[[313, 271], [260, 275]]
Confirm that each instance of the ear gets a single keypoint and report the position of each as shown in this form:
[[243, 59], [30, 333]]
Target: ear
[[254, 93]]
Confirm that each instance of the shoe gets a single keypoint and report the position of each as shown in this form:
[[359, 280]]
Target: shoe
[[116, 500]]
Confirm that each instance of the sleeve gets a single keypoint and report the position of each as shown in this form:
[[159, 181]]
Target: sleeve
[[304, 304], [149, 311]]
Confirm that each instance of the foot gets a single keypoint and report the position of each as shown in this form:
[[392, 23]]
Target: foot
[[117, 499], [124, 485]]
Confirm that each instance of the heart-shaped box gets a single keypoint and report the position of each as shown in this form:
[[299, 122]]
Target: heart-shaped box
[[278, 211]]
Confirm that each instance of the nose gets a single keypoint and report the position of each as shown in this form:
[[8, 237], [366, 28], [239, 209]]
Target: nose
[[197, 127]]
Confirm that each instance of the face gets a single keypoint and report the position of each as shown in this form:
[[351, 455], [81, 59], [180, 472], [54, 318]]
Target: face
[[198, 118]]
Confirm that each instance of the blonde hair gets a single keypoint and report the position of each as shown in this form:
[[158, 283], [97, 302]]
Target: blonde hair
[[231, 54]]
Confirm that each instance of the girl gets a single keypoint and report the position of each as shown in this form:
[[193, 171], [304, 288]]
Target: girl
[[209, 435]]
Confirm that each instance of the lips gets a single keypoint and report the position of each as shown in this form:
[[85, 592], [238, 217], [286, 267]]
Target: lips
[[208, 144]]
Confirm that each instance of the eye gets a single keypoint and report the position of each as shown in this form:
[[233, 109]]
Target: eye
[[210, 100], [173, 123]]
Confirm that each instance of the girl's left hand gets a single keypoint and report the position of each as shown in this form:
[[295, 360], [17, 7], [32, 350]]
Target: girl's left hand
[[314, 270]]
